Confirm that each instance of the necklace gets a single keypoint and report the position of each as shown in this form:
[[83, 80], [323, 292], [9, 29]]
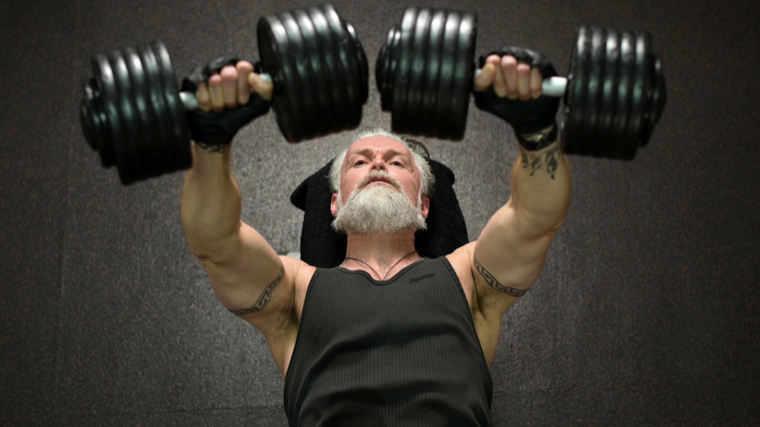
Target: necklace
[[389, 270]]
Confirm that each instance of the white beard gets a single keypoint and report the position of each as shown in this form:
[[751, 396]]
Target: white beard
[[378, 209]]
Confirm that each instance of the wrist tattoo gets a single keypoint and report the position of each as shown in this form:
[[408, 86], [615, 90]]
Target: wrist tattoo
[[265, 297], [495, 285], [211, 148], [548, 158]]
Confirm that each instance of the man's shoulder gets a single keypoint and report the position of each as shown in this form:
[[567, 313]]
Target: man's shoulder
[[461, 261], [462, 256], [301, 274]]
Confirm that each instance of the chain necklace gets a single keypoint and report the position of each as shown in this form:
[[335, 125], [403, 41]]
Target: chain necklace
[[389, 270]]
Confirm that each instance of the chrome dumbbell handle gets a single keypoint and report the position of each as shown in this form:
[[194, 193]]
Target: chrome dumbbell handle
[[553, 86]]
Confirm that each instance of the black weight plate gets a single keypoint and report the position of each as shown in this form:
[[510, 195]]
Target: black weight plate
[[128, 166], [336, 49], [273, 45], [463, 76], [139, 157], [349, 69], [386, 66], [103, 75], [384, 63], [317, 78], [447, 75], [132, 85], [299, 90], [568, 114], [276, 60], [399, 122], [643, 68], [89, 117], [95, 123], [627, 122], [160, 127], [417, 72], [179, 142], [361, 63], [575, 95], [431, 81], [608, 104], [333, 83], [589, 139], [619, 125], [146, 141]]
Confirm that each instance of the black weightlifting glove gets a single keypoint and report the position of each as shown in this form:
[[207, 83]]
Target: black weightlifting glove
[[219, 128], [532, 120]]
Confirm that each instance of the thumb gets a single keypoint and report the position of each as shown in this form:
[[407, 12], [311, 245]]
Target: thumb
[[484, 79], [263, 87]]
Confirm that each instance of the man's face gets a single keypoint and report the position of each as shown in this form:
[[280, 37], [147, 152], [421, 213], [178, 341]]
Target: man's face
[[379, 161]]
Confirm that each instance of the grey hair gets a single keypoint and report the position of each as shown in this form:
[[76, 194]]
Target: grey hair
[[419, 151]]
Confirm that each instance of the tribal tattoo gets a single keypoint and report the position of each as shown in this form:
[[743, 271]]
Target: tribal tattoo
[[550, 158], [211, 148], [493, 283], [265, 297]]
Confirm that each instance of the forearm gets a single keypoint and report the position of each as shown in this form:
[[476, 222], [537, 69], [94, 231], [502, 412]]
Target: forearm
[[511, 250], [541, 189], [211, 204]]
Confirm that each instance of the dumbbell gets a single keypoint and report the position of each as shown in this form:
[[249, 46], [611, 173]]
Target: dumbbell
[[133, 115], [613, 95]]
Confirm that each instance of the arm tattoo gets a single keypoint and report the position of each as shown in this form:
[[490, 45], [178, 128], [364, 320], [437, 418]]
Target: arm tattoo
[[493, 283], [265, 297], [211, 148], [534, 162]]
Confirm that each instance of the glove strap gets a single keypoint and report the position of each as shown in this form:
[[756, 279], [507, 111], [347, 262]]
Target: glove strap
[[538, 140]]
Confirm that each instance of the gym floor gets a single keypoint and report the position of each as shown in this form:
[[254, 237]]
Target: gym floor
[[647, 312]]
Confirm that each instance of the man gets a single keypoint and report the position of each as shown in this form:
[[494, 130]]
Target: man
[[387, 338]]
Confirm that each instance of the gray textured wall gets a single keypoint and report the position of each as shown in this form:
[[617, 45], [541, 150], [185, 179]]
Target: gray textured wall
[[646, 313]]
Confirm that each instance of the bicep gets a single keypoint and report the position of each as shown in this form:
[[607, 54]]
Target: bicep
[[250, 275], [509, 255]]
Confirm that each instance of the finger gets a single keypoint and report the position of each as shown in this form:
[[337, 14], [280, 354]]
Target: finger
[[485, 78], [262, 87], [535, 83], [202, 95], [509, 71], [523, 81], [244, 68], [215, 93], [497, 80], [229, 76]]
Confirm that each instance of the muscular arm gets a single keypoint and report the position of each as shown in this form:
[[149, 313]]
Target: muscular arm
[[243, 268], [510, 252], [248, 276]]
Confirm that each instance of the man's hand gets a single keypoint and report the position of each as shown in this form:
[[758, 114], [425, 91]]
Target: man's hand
[[509, 86], [232, 87], [223, 89], [509, 78]]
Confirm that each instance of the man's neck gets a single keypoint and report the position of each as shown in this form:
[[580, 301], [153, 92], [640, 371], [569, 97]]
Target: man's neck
[[381, 251]]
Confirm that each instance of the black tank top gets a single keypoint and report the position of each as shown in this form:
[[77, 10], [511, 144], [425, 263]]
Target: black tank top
[[401, 352]]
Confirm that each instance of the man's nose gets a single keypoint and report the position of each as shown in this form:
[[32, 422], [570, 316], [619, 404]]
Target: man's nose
[[378, 163]]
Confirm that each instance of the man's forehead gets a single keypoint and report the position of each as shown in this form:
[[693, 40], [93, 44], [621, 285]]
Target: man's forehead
[[376, 143]]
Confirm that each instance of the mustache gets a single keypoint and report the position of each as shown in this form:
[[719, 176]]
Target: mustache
[[374, 175]]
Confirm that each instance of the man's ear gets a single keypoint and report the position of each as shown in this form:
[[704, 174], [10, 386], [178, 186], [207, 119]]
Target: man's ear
[[334, 204], [425, 207]]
